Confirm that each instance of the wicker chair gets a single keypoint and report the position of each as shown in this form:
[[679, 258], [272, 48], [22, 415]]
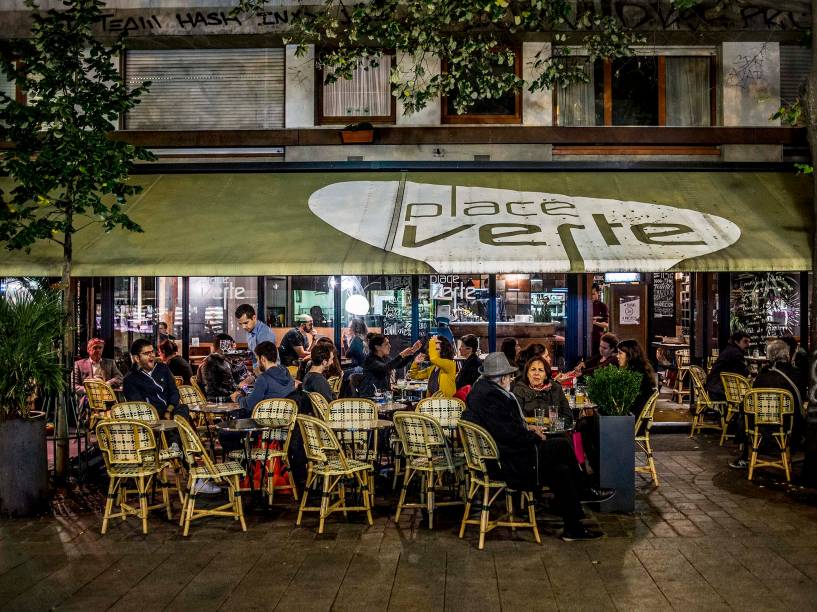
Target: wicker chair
[[735, 387], [643, 424], [447, 410], [100, 394], [769, 412], [704, 404], [130, 453], [195, 384], [179, 380], [328, 461], [335, 383], [680, 390], [228, 472], [480, 447], [352, 411], [142, 411], [293, 371], [319, 405], [427, 452], [281, 411]]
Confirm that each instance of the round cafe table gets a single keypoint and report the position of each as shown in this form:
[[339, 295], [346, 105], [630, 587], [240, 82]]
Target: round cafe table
[[392, 407], [211, 410], [248, 427], [163, 426]]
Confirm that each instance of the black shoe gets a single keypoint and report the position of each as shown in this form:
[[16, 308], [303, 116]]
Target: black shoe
[[580, 534], [595, 496], [739, 464]]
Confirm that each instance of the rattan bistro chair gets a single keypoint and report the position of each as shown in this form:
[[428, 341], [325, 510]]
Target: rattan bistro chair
[[326, 460], [351, 411], [704, 404], [319, 405], [283, 412], [130, 453], [735, 388], [428, 453], [769, 412], [643, 424], [142, 411], [447, 410], [479, 447], [100, 394], [680, 390], [335, 383], [202, 468]]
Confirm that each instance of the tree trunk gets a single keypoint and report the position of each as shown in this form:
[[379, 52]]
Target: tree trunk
[[68, 287]]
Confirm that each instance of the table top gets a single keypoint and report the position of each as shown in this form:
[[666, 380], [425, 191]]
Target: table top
[[245, 425], [672, 345], [163, 425], [366, 425], [216, 408], [393, 407], [412, 385]]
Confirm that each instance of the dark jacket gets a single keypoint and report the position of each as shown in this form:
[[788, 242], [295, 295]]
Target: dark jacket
[[179, 367], [272, 383], [731, 359], [469, 372], [531, 399], [376, 373], [158, 388], [216, 377], [317, 383], [357, 352], [644, 393], [497, 410], [780, 375]]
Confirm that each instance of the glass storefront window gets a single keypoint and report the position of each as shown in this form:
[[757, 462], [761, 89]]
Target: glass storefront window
[[213, 300], [765, 305], [170, 308], [134, 307], [314, 296], [461, 299], [382, 302]]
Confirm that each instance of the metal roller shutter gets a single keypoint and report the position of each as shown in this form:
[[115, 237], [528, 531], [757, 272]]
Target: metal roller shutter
[[206, 89], [795, 63]]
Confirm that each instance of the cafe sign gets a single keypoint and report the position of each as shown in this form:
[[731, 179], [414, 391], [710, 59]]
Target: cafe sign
[[462, 229]]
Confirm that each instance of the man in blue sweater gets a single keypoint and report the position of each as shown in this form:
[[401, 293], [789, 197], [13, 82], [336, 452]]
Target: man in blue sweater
[[149, 380]]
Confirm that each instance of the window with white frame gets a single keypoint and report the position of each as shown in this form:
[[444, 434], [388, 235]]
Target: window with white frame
[[366, 96]]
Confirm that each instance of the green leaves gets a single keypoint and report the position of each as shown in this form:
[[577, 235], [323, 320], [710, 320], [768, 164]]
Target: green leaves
[[613, 390]]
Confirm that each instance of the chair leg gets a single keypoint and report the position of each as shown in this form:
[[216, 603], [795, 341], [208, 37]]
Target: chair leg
[[471, 491], [753, 457], [509, 508], [291, 478], [367, 501], [309, 480], [166, 499], [191, 504], [406, 477], [528, 499], [324, 503], [109, 504], [651, 460], [237, 502], [430, 484], [483, 516], [143, 502]]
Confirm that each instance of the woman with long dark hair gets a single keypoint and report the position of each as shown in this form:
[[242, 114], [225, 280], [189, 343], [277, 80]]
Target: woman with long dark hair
[[632, 357], [379, 365], [534, 388], [442, 373]]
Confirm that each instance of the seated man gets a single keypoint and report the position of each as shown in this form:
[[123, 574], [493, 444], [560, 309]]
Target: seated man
[[95, 366], [151, 381], [731, 359], [297, 342], [273, 382], [218, 376], [527, 459], [608, 356]]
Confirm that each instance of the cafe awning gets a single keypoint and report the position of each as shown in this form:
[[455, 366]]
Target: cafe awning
[[306, 223]]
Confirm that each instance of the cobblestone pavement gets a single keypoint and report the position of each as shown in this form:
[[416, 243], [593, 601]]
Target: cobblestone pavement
[[705, 539]]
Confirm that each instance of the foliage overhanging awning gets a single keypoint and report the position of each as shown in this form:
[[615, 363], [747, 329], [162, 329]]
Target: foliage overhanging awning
[[447, 222]]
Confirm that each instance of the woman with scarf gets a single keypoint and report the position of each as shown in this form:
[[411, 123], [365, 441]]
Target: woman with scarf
[[536, 389]]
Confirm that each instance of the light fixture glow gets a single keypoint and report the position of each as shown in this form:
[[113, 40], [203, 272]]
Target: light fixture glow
[[357, 305]]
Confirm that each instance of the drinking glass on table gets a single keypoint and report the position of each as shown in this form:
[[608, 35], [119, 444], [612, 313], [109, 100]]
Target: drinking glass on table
[[540, 417]]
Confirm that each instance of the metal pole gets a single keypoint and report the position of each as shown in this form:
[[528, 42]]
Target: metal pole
[[491, 313]]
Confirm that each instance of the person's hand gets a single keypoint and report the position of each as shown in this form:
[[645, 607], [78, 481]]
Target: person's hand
[[416, 346], [235, 395], [579, 367], [297, 383], [539, 431], [419, 357]]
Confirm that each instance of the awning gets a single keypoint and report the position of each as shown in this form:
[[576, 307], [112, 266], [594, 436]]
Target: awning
[[310, 223]]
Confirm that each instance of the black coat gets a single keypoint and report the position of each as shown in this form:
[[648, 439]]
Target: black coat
[[531, 399], [377, 372], [497, 410], [469, 372], [731, 359], [157, 388]]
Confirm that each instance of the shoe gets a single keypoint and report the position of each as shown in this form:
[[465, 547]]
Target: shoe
[[207, 488], [596, 496], [175, 447], [739, 464], [580, 533]]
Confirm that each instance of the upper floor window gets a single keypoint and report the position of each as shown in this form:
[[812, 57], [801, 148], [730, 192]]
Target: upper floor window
[[364, 97], [641, 90], [207, 89], [505, 109]]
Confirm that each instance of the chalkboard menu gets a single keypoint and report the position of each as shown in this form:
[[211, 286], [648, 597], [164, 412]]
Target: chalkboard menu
[[663, 304], [765, 305]]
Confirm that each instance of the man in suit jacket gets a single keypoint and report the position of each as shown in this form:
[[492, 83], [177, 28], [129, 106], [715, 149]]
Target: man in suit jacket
[[95, 366]]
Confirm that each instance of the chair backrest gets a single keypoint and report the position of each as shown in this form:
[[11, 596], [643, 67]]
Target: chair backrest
[[335, 383], [698, 381], [191, 397], [421, 435], [191, 443], [319, 405], [98, 393], [735, 387], [195, 384], [140, 411], [281, 410], [478, 445], [293, 370], [447, 410], [768, 405], [321, 446], [352, 410], [682, 358], [355, 381], [126, 442], [644, 421], [179, 380]]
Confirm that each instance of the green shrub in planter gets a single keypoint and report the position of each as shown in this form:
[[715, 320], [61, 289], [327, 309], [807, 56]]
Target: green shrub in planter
[[613, 390]]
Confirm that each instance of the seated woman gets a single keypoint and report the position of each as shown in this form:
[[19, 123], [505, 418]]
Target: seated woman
[[511, 348], [442, 373], [632, 357], [178, 366], [534, 388], [357, 342], [377, 367]]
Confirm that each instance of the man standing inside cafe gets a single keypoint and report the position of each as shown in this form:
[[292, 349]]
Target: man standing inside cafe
[[257, 331], [601, 318]]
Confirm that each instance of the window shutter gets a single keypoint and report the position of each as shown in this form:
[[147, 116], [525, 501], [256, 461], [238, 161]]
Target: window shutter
[[207, 89], [795, 63], [6, 86]]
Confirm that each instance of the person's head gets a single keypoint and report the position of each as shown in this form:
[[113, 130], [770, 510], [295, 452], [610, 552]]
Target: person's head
[[497, 368], [537, 371], [741, 340], [791, 342], [446, 348], [595, 292], [246, 317], [358, 328], [608, 345], [95, 347], [220, 340], [469, 345], [510, 347], [379, 345], [306, 323], [267, 354], [143, 354], [167, 349], [777, 351], [322, 355], [632, 357], [162, 327]]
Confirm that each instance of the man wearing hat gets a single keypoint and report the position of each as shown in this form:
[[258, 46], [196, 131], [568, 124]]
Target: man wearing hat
[[95, 366], [527, 460]]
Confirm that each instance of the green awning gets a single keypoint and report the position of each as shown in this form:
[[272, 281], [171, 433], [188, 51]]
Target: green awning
[[448, 222]]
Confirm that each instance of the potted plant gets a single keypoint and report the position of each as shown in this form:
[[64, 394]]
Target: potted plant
[[31, 326], [357, 133], [614, 391]]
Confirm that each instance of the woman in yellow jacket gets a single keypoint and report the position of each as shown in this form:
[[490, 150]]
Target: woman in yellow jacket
[[442, 373]]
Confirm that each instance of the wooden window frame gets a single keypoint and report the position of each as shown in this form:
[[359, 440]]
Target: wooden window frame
[[662, 93], [515, 118], [321, 119]]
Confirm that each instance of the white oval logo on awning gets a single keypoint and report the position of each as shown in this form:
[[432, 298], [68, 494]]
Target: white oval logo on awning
[[478, 229]]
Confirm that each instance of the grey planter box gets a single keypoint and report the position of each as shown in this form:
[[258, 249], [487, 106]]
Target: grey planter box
[[23, 467], [617, 461]]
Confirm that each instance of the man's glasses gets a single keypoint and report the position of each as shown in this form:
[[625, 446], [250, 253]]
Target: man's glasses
[[147, 354]]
